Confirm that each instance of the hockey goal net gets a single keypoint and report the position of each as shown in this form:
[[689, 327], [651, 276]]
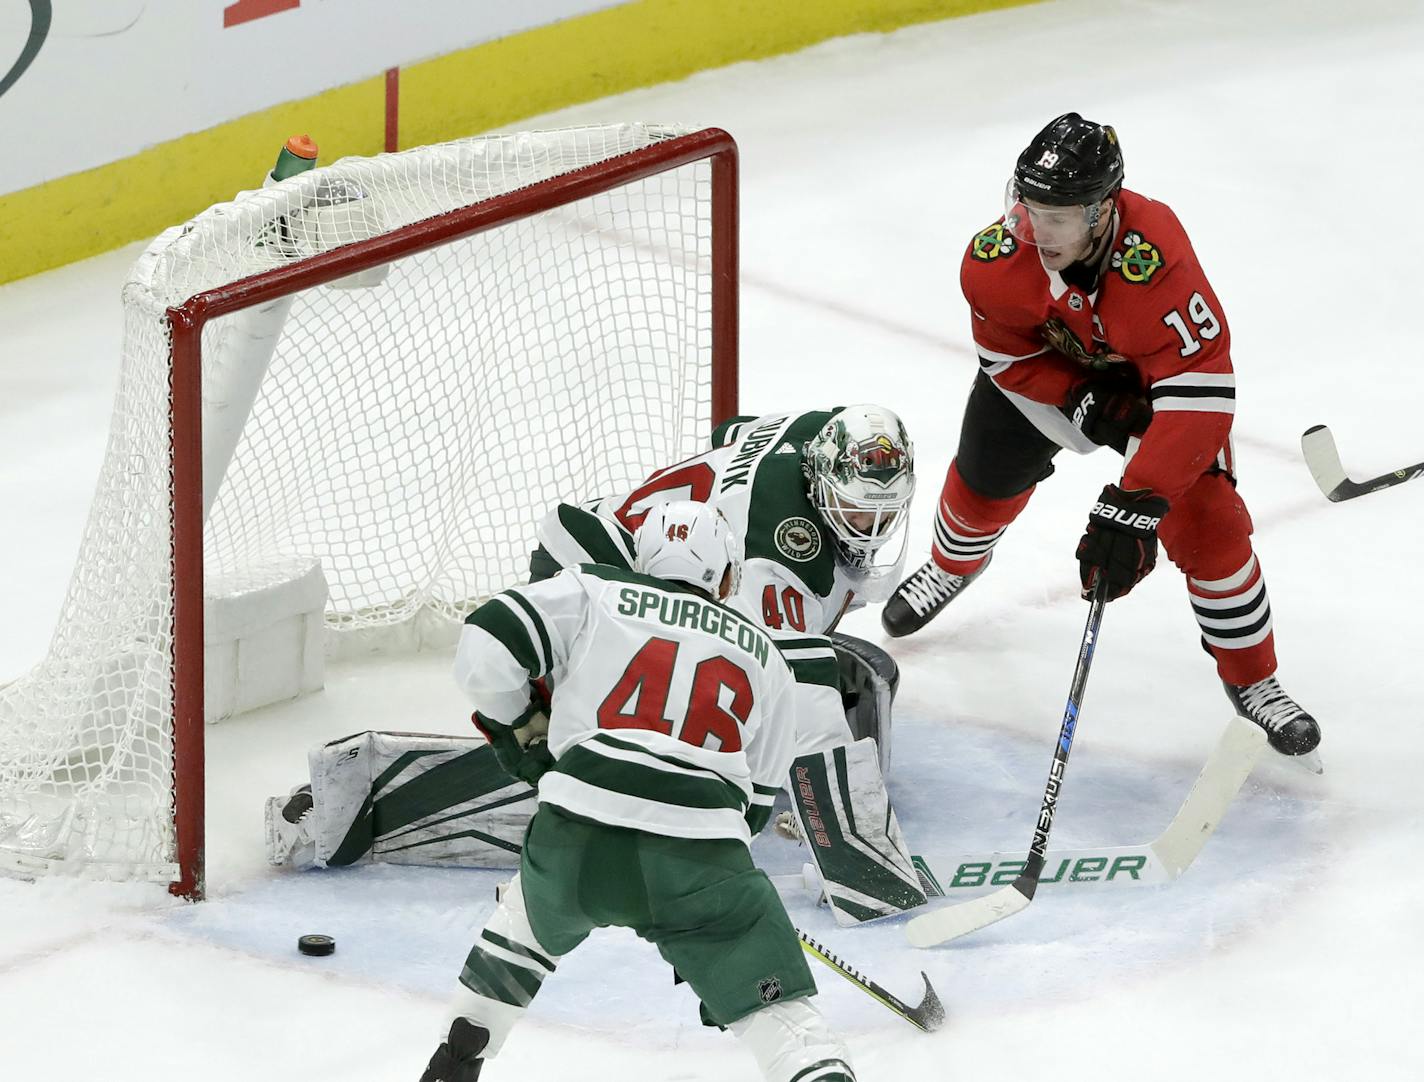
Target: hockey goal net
[[391, 366]]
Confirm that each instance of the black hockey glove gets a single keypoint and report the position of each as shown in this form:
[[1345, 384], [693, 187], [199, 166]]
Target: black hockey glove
[[1108, 412], [520, 748], [1121, 540]]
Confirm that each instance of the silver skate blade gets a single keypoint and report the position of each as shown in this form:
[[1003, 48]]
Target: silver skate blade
[[1310, 763]]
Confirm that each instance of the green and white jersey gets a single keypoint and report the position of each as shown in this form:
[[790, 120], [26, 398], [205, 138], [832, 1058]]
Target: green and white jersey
[[754, 475], [792, 583], [671, 713]]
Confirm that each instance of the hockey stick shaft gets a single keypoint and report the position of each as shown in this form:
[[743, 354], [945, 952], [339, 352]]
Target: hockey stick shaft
[[1317, 444], [928, 1016], [1027, 882], [951, 922]]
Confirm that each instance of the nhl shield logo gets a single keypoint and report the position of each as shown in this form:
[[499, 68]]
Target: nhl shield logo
[[769, 989], [798, 539]]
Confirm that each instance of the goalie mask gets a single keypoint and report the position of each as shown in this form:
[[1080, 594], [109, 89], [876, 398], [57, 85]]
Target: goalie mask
[[691, 543], [861, 471]]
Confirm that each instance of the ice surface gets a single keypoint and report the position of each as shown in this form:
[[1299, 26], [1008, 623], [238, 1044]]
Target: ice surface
[[1281, 132]]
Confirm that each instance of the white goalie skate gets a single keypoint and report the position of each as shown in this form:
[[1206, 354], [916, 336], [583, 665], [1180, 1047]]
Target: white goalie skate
[[288, 820]]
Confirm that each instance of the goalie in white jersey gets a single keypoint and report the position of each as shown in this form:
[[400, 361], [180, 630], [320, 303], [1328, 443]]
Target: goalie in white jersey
[[671, 726], [819, 500]]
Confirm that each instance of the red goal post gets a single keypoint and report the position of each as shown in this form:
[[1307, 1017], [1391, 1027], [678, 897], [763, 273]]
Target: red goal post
[[648, 233]]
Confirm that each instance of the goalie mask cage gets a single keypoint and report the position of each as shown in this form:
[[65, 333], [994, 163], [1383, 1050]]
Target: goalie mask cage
[[394, 365]]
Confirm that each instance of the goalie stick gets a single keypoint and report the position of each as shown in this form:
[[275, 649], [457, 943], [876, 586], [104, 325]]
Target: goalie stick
[[1160, 860], [1321, 455], [1148, 863], [953, 921], [928, 1016]]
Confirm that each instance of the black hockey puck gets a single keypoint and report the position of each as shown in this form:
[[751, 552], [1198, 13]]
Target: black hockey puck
[[316, 944]]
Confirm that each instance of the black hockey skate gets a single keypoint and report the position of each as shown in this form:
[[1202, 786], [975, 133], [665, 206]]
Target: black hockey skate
[[919, 599], [1290, 729], [459, 1057]]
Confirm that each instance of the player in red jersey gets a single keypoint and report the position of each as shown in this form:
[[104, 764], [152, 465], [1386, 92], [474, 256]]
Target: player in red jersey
[[1095, 326]]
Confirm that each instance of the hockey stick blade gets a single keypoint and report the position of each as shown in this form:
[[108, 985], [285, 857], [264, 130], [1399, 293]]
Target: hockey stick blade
[[1225, 772], [928, 1016], [953, 921], [1148, 863], [1323, 459]]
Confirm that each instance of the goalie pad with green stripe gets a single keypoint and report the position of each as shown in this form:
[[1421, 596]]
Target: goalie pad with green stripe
[[846, 821], [407, 798]]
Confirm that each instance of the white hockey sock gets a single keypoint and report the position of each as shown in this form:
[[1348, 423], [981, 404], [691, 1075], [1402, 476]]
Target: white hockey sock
[[503, 973], [792, 1042]]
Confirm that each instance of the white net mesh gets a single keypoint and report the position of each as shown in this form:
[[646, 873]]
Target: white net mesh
[[408, 433]]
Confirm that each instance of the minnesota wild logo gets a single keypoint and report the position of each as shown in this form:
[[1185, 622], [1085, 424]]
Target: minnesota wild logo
[[798, 539], [993, 243], [1139, 259]]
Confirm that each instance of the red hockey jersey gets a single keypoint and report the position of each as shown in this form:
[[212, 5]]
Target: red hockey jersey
[[1152, 309]]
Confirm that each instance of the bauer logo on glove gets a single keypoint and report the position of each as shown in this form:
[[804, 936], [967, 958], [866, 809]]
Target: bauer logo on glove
[[1126, 518]]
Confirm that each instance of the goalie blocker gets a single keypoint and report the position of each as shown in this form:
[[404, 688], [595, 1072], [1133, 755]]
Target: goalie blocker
[[411, 798]]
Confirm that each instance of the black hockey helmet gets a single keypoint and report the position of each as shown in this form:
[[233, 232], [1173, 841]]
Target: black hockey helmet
[[1071, 162]]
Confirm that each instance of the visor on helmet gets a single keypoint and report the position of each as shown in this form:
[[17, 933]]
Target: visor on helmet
[[1042, 224]]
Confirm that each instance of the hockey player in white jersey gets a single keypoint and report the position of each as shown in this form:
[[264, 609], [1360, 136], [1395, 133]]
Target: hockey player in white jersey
[[670, 726], [820, 501]]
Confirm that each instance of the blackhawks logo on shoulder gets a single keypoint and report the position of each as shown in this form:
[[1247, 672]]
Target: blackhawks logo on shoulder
[[994, 243], [798, 539], [1138, 260]]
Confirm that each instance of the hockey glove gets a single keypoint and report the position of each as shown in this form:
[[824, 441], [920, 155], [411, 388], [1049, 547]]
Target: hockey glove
[[522, 754], [1108, 412], [1121, 540]]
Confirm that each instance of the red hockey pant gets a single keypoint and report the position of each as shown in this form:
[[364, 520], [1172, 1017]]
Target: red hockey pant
[[1207, 532]]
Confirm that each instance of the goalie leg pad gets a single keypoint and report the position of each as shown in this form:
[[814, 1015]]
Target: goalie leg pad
[[407, 798], [845, 816], [869, 679]]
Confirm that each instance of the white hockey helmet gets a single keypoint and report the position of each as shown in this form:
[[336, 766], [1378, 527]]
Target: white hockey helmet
[[861, 469], [692, 543]]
